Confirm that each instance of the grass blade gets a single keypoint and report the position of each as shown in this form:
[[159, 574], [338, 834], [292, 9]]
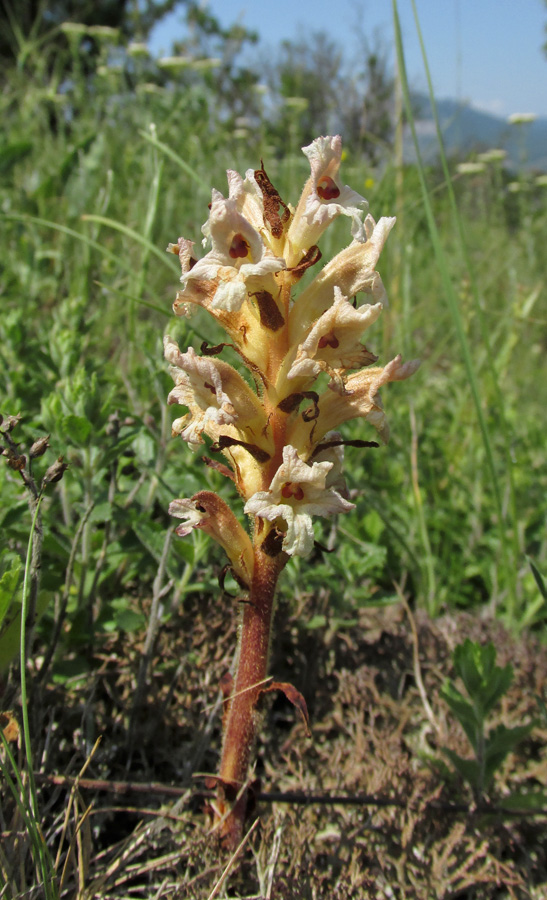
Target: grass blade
[[453, 306]]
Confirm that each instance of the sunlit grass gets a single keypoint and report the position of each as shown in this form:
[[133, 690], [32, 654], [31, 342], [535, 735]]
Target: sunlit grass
[[94, 187]]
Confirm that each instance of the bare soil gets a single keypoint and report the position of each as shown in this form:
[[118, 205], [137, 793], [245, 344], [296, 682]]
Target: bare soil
[[419, 835]]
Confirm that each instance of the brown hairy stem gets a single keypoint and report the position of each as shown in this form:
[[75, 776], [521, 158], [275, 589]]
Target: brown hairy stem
[[241, 714]]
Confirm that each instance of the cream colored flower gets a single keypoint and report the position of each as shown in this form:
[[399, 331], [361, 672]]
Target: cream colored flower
[[215, 394], [237, 260], [209, 512], [359, 399], [191, 516], [297, 492], [333, 345], [352, 270], [324, 198]]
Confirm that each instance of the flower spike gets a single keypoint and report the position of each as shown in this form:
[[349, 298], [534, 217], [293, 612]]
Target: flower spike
[[308, 372]]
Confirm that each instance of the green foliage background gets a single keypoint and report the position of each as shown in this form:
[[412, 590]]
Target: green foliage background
[[100, 167]]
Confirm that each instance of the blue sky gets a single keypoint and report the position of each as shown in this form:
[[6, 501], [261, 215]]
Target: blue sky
[[488, 52]]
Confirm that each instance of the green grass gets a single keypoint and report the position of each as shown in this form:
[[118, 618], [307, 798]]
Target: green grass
[[86, 292], [96, 178]]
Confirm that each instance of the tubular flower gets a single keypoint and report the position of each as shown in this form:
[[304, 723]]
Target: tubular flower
[[332, 344], [207, 511], [237, 256], [324, 197], [352, 271], [297, 492], [213, 391], [277, 427]]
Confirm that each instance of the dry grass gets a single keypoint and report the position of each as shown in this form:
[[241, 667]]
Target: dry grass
[[371, 736]]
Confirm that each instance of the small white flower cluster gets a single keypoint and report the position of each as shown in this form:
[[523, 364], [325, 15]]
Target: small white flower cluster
[[280, 440]]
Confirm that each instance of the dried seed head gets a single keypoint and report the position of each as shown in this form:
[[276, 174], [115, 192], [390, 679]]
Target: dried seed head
[[10, 423], [55, 472], [39, 447]]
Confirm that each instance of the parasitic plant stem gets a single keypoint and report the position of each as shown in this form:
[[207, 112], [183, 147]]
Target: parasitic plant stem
[[241, 714]]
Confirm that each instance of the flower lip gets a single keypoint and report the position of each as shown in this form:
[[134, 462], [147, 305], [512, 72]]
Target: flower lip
[[327, 188], [189, 512]]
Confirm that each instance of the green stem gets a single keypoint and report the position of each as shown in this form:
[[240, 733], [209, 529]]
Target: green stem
[[23, 657]]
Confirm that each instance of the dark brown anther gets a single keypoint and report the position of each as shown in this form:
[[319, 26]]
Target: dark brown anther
[[327, 188], [39, 447], [55, 472], [270, 316], [224, 443], [272, 201]]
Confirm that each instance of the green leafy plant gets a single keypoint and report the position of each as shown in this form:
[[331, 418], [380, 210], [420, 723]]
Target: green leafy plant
[[485, 684]]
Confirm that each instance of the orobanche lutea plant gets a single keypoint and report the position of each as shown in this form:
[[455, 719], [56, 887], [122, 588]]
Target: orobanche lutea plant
[[280, 438]]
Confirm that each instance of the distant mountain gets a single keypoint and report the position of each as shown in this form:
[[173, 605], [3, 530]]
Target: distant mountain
[[466, 130]]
